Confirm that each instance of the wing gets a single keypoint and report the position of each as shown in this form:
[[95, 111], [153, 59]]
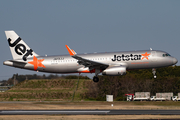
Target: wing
[[86, 62]]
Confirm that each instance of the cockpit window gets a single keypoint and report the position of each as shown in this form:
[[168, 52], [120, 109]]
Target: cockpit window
[[165, 55]]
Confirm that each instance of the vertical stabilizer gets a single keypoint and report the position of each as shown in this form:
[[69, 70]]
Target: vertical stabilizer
[[19, 49]]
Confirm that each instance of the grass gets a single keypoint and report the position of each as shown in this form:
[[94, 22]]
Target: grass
[[56, 89], [116, 103], [62, 90]]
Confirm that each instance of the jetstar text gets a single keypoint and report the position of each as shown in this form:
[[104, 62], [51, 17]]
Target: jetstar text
[[126, 57]]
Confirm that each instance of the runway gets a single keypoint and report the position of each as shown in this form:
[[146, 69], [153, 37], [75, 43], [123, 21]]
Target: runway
[[89, 112]]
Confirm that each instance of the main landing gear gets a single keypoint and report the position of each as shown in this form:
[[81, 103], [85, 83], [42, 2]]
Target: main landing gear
[[95, 79], [154, 72]]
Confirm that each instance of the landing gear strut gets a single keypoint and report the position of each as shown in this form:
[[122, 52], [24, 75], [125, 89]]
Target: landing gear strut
[[154, 72], [95, 79]]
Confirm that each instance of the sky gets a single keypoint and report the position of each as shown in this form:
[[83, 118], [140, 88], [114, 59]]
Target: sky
[[89, 26]]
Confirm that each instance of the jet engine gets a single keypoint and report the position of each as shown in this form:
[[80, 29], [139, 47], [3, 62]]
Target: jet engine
[[117, 70]]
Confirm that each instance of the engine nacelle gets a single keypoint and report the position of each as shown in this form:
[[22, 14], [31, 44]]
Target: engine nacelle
[[117, 70]]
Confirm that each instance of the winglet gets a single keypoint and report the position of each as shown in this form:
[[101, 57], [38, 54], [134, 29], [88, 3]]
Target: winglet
[[71, 51]]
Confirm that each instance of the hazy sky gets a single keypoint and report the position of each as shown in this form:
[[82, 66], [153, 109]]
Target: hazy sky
[[89, 26]]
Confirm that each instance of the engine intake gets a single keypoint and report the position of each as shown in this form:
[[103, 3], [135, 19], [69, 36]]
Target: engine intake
[[115, 71]]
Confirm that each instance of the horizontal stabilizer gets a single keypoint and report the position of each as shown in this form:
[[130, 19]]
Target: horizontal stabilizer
[[14, 63]]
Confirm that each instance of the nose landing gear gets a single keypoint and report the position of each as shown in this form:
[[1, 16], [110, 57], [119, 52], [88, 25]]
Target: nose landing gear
[[154, 72]]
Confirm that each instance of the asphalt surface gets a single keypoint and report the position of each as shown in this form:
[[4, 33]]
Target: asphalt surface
[[89, 112]]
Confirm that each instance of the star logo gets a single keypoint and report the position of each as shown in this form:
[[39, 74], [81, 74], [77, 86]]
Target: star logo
[[37, 63], [145, 56]]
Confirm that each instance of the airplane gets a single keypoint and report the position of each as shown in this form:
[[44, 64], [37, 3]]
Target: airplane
[[108, 63]]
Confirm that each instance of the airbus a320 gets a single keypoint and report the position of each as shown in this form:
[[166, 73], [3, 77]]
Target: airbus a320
[[112, 63]]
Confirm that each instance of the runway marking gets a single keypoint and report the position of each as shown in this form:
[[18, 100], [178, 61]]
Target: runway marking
[[52, 111], [90, 112]]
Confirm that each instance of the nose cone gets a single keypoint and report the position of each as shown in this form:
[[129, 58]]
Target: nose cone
[[175, 60]]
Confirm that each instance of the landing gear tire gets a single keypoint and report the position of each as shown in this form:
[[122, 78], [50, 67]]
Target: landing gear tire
[[95, 79], [154, 72]]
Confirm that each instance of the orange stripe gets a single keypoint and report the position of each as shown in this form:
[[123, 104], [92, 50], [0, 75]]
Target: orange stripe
[[87, 71]]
